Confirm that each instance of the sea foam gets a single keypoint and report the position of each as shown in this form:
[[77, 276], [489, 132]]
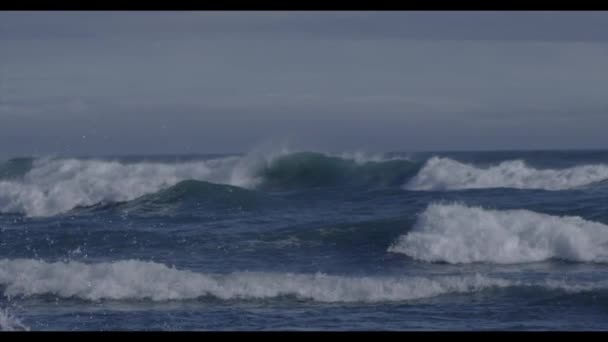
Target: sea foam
[[138, 280], [447, 174], [54, 186], [459, 234]]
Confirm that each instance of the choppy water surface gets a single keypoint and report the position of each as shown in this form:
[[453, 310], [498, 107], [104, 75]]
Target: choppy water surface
[[306, 241]]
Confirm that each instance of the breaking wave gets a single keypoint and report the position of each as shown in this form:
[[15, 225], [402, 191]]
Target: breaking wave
[[46, 187], [310, 169], [460, 234], [51, 186], [137, 280], [447, 174]]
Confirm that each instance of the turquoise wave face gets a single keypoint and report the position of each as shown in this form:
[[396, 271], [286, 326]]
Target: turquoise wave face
[[15, 168], [309, 169]]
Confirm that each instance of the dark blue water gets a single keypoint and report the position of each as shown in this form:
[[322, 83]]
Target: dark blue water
[[278, 240]]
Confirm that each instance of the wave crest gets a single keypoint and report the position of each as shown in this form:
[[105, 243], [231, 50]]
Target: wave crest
[[53, 186], [137, 280], [56, 186], [447, 174], [460, 234], [311, 169]]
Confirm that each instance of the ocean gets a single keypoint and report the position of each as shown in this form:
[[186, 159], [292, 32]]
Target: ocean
[[298, 240]]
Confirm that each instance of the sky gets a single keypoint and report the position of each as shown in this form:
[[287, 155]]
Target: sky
[[111, 83]]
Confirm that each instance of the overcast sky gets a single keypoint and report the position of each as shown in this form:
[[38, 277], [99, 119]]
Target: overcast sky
[[78, 83]]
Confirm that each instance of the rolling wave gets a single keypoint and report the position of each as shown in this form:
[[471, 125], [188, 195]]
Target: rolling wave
[[310, 169], [46, 187], [56, 186], [459, 234], [202, 192], [187, 194], [447, 174], [138, 280], [53, 186]]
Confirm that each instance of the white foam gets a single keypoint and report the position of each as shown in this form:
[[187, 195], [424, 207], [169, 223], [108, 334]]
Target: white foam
[[10, 323], [56, 186], [137, 280], [460, 234], [447, 174]]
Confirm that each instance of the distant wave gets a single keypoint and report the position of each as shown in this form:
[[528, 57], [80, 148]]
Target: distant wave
[[447, 174], [460, 234], [45, 187]]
